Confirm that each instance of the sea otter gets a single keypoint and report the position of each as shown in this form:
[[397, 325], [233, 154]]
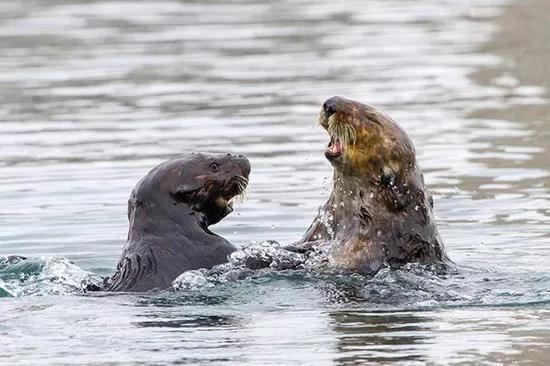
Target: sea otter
[[379, 212], [169, 212]]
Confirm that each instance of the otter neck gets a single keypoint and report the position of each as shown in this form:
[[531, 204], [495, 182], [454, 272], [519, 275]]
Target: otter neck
[[349, 197], [371, 199], [358, 204], [166, 217], [349, 194]]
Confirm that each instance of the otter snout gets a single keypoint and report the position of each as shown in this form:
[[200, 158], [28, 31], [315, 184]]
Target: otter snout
[[243, 165], [331, 106], [240, 164]]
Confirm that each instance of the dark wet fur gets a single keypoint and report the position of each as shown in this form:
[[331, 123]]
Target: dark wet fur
[[169, 212]]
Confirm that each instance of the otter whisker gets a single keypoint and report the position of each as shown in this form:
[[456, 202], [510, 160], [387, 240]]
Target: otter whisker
[[240, 198], [344, 136], [242, 185], [332, 126], [345, 132], [242, 182], [352, 134]]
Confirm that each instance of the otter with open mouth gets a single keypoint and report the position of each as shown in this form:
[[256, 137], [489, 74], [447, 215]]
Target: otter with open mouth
[[169, 212], [379, 213]]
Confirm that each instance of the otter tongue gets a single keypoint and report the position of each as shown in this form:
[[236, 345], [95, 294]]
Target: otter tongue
[[335, 146]]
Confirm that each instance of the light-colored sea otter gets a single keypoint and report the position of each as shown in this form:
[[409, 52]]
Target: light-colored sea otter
[[379, 212]]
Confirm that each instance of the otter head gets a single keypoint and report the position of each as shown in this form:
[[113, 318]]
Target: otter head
[[367, 148], [365, 143], [200, 185]]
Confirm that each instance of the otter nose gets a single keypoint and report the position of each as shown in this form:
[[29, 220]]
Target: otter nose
[[329, 107], [244, 165]]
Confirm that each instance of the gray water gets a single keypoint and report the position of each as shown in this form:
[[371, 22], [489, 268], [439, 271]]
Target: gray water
[[95, 93]]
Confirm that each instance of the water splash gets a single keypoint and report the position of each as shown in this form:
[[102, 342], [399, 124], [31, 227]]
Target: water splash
[[43, 276], [266, 254], [252, 260], [413, 286], [326, 218]]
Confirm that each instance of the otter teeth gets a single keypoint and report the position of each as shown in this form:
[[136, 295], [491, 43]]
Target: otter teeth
[[335, 146], [222, 202]]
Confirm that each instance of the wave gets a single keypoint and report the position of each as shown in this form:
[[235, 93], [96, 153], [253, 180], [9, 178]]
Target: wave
[[21, 276], [413, 286], [264, 266]]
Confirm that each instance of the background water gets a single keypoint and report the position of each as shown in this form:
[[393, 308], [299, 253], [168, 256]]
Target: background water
[[95, 93]]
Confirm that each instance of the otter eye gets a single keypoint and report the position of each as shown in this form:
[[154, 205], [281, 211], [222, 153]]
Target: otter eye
[[387, 179], [214, 167]]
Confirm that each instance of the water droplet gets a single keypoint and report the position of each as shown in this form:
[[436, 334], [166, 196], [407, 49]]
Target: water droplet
[[416, 208], [371, 194]]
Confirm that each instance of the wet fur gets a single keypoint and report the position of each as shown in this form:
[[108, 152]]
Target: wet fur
[[169, 212], [382, 213]]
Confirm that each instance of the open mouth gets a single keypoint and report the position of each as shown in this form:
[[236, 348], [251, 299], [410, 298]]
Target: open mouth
[[224, 203], [234, 191], [342, 135], [334, 148]]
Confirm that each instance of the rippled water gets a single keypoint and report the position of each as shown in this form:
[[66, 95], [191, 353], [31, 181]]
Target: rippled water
[[96, 93]]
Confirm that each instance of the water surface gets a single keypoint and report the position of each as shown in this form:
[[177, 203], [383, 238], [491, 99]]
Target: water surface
[[95, 93]]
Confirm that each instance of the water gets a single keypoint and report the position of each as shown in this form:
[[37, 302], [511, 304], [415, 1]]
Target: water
[[96, 93]]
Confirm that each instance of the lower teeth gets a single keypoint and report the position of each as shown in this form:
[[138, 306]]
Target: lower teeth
[[220, 201]]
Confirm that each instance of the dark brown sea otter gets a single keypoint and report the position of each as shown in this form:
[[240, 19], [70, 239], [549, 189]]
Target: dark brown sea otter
[[379, 212], [169, 211]]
